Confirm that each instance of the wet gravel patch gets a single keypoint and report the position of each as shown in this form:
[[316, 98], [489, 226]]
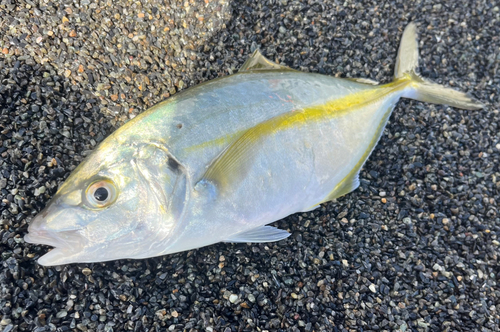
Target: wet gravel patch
[[414, 249]]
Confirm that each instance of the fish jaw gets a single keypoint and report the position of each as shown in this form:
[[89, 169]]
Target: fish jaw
[[67, 243], [56, 256]]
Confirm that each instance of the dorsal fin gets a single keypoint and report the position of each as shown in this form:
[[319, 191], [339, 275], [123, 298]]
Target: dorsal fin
[[257, 61]]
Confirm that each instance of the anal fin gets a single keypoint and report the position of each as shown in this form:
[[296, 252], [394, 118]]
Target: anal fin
[[259, 235], [311, 208], [348, 184]]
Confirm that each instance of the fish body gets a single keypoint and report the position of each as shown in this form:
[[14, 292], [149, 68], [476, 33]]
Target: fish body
[[218, 162]]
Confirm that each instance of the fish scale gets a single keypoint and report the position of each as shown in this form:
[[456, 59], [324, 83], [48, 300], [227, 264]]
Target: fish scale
[[220, 161]]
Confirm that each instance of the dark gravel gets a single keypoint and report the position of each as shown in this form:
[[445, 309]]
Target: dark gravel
[[416, 248]]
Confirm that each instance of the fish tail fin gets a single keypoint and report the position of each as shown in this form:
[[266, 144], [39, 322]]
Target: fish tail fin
[[419, 88]]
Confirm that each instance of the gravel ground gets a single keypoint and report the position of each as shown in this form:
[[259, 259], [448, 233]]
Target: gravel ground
[[416, 248]]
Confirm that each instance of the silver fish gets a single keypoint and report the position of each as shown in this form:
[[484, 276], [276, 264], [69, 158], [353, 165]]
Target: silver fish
[[220, 161]]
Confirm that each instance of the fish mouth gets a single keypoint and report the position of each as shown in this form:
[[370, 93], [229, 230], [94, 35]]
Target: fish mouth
[[66, 243], [59, 239]]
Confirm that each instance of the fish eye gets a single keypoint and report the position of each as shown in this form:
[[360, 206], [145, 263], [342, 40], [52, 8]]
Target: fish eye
[[101, 193]]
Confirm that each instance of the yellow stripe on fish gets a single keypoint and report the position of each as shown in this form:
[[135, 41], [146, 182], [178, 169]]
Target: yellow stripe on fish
[[332, 108]]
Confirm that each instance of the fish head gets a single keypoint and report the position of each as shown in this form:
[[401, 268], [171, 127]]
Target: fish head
[[121, 202]]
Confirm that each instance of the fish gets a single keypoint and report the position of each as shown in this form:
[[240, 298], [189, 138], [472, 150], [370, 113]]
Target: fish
[[220, 161]]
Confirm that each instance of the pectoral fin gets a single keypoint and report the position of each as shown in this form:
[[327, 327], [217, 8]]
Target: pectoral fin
[[236, 160], [259, 235]]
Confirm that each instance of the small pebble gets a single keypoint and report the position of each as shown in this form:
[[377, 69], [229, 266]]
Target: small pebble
[[373, 288], [62, 314]]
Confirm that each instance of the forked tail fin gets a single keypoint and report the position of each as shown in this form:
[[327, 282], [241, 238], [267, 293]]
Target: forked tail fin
[[423, 90]]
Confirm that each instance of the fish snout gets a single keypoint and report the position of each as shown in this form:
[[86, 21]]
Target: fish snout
[[39, 223], [53, 228], [38, 232]]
